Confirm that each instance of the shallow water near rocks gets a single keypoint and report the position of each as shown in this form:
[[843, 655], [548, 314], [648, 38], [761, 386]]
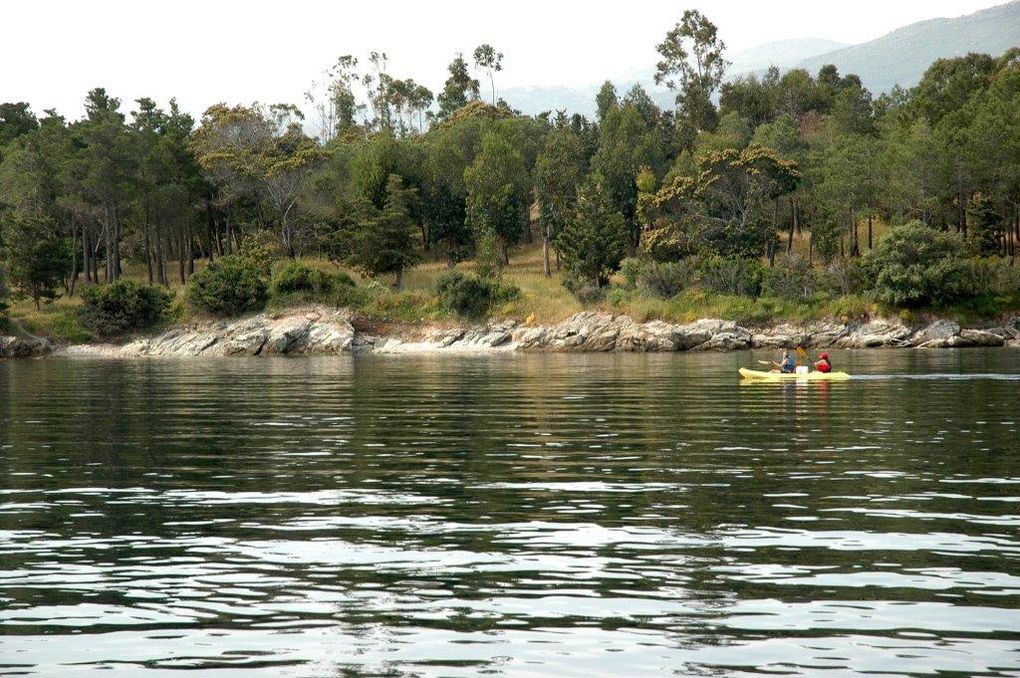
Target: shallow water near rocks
[[519, 515]]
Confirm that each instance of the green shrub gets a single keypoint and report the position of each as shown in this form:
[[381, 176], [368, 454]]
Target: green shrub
[[630, 269], [122, 306], [262, 249], [229, 286], [667, 279], [296, 278], [471, 296], [995, 275], [741, 277], [790, 278], [917, 266]]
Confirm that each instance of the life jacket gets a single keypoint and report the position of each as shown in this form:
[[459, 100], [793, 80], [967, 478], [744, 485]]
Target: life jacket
[[823, 365]]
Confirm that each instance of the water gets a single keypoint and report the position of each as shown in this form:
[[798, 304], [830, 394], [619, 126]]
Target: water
[[510, 515]]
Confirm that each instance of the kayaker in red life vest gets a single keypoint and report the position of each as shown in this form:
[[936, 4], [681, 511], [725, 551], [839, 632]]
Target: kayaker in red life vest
[[823, 364]]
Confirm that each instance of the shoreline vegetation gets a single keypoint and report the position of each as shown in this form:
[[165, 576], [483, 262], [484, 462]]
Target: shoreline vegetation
[[800, 203]]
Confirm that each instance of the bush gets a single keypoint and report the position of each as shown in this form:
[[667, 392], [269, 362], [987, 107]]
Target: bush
[[790, 278], [995, 275], [296, 278], [471, 296], [262, 249], [122, 306], [229, 286], [847, 276], [917, 266], [667, 279], [741, 277]]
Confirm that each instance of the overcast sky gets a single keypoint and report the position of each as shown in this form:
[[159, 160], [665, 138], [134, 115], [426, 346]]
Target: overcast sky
[[239, 51]]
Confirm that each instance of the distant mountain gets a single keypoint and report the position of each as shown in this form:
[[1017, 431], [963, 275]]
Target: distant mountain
[[902, 56], [782, 53]]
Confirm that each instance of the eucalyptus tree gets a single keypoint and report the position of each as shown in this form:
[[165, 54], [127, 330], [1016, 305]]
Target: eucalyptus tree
[[632, 134], [692, 65], [559, 171], [459, 89], [491, 61], [334, 101], [498, 195]]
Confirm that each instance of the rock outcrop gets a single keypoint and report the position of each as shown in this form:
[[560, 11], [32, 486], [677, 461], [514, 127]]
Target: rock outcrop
[[319, 330], [303, 331], [13, 347], [947, 334]]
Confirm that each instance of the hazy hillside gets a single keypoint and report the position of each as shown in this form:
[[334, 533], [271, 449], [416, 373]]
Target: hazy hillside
[[902, 56], [782, 53], [899, 57]]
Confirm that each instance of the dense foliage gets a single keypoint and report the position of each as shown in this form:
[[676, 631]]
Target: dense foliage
[[919, 266], [123, 306], [227, 287], [378, 173], [295, 279], [472, 296]]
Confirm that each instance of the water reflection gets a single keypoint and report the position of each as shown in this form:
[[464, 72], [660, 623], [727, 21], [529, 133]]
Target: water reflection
[[524, 515]]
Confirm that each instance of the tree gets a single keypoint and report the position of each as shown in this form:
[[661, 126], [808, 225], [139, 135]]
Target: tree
[[39, 258], [692, 65], [107, 167], [632, 135], [491, 61], [848, 184], [333, 100], [559, 171], [497, 192], [5, 294], [918, 266], [594, 240], [459, 88], [383, 243], [16, 119], [606, 100]]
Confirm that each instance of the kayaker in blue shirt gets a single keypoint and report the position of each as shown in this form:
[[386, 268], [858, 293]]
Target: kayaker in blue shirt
[[787, 365]]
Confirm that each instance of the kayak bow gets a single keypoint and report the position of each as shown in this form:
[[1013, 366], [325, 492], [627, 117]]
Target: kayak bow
[[787, 376]]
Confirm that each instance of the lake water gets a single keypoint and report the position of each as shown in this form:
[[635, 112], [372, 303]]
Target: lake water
[[536, 515]]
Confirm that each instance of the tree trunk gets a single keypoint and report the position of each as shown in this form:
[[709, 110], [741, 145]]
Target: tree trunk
[[74, 256], [148, 250], [398, 280], [870, 241], [108, 234], [545, 251], [854, 243], [180, 251], [504, 251], [811, 249], [793, 227]]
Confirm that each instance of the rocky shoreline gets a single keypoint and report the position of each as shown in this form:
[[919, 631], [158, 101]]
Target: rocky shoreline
[[318, 330]]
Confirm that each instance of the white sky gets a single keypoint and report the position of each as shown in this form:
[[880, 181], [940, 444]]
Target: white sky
[[204, 51]]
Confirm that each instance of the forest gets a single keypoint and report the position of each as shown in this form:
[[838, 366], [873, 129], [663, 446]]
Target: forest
[[760, 197]]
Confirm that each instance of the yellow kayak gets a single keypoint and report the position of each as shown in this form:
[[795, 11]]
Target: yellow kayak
[[781, 376]]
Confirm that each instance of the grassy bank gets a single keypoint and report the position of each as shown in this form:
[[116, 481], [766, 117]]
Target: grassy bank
[[542, 300]]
